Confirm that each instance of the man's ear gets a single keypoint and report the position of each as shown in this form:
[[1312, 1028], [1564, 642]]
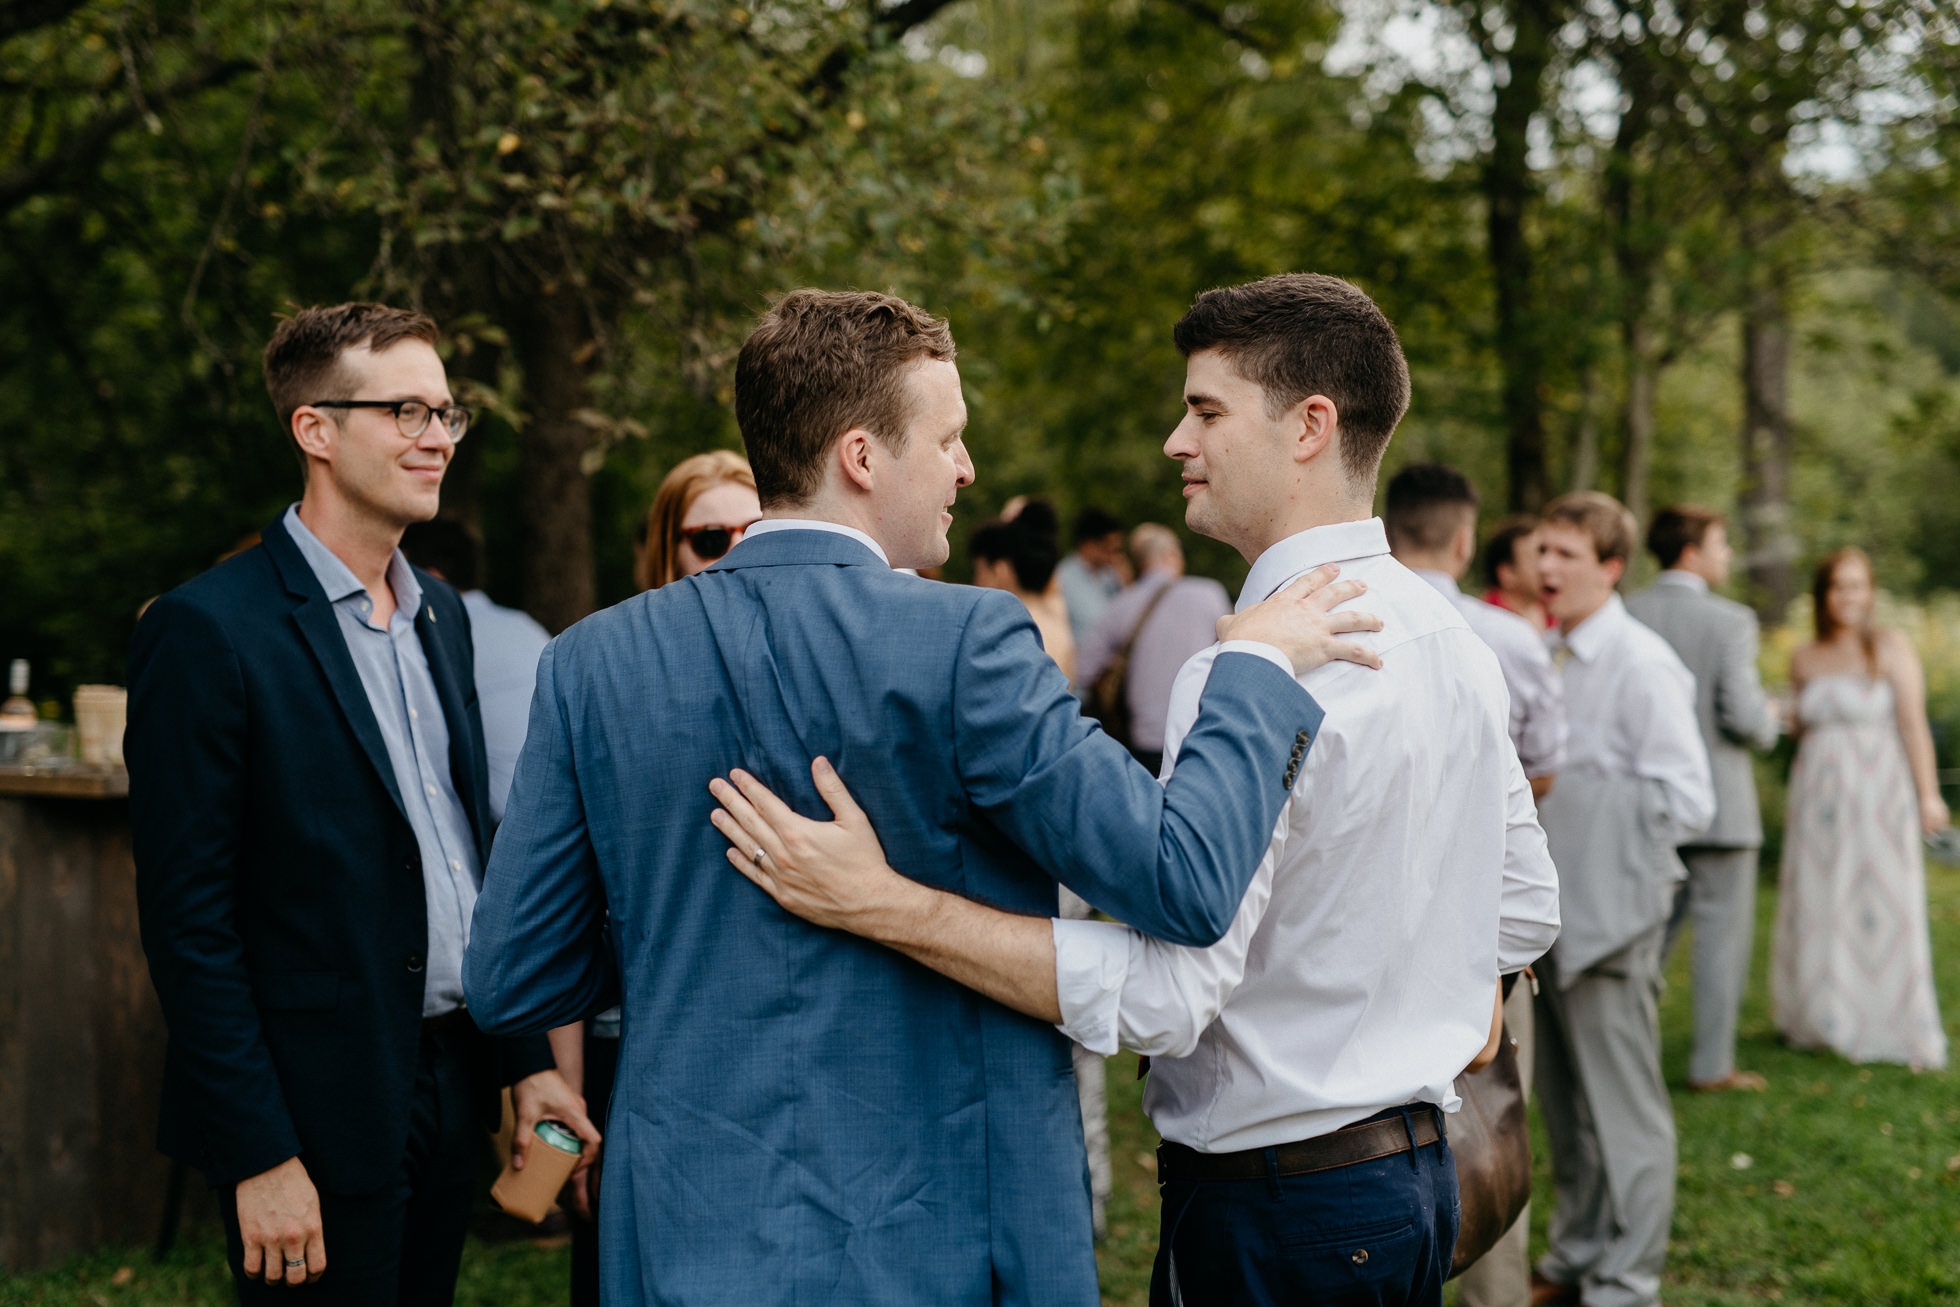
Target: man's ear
[[1618, 567], [1318, 421], [854, 458], [314, 433]]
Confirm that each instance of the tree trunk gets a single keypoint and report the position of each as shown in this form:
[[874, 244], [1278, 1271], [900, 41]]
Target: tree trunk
[[1508, 191], [1637, 246], [1770, 542], [1643, 380], [1585, 444], [556, 581]]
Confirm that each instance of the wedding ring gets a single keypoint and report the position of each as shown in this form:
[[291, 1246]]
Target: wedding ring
[[293, 1263], [757, 856]]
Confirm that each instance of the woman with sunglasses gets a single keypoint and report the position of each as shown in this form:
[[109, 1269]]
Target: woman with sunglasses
[[700, 512]]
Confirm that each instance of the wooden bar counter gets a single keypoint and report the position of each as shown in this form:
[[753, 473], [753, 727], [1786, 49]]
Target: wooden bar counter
[[81, 1037]]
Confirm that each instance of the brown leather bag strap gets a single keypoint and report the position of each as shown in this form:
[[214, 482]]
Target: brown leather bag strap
[[1143, 621]]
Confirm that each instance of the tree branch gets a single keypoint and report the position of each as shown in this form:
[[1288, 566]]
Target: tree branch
[[89, 142], [17, 16], [1213, 16]]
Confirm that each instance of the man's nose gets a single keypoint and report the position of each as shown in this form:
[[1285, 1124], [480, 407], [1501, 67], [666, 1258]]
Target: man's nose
[[963, 461], [1176, 445]]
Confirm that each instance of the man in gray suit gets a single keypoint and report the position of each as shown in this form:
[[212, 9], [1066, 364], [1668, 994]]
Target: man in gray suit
[[1717, 639]]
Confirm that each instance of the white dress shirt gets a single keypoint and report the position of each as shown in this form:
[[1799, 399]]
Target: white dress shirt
[[1537, 702], [508, 642], [1681, 576], [768, 524], [1407, 870], [1630, 711]]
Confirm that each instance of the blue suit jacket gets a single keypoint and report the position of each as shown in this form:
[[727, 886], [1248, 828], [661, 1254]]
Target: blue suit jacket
[[801, 1116]]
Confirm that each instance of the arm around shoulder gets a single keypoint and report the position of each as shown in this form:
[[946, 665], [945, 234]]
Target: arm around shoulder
[[1741, 708]]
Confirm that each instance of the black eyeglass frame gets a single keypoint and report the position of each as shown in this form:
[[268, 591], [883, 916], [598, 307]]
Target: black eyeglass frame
[[457, 430]]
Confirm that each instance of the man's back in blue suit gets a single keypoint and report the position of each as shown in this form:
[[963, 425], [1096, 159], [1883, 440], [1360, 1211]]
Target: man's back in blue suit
[[802, 1116]]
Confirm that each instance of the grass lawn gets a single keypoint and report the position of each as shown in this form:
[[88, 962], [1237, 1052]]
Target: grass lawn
[[1839, 1185]]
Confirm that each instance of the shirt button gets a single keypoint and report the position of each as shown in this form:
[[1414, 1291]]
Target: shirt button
[[414, 716], [455, 864], [1359, 1256], [431, 789]]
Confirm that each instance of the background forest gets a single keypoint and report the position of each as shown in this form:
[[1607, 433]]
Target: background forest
[[1667, 248]]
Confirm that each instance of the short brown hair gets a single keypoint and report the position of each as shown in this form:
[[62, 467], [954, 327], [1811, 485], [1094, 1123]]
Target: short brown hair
[[1609, 522], [1300, 334], [819, 364], [1676, 527], [302, 360], [1428, 503], [660, 562], [1501, 550]]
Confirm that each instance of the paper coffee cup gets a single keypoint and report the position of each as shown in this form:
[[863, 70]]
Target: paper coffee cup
[[531, 1192], [100, 714]]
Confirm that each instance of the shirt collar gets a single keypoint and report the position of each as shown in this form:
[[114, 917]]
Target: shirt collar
[[1682, 577], [769, 524], [1445, 584], [338, 579], [1596, 634], [1301, 553]]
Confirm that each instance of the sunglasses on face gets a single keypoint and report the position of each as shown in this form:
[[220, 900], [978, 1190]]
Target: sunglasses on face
[[711, 542]]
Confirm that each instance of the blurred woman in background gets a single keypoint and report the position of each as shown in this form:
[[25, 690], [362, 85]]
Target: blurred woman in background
[[1019, 554], [1852, 964], [701, 511]]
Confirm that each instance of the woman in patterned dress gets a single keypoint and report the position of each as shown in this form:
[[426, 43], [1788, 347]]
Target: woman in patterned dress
[[1852, 962]]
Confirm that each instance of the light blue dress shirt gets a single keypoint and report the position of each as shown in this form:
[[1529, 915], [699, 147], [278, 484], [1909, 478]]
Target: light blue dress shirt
[[508, 643], [394, 671]]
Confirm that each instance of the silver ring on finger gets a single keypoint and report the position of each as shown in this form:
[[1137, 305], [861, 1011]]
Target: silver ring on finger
[[294, 1263], [759, 854]]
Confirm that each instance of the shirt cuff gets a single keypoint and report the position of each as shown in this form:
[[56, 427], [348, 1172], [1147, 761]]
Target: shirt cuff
[[1092, 959], [1259, 649]]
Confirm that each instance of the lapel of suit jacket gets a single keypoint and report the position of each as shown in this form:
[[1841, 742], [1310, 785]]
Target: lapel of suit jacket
[[436, 639], [318, 626]]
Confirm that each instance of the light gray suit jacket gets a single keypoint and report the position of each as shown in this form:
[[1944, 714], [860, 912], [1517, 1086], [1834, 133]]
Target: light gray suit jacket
[[1717, 639]]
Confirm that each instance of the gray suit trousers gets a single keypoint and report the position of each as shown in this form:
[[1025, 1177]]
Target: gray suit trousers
[[1611, 1127], [1719, 897]]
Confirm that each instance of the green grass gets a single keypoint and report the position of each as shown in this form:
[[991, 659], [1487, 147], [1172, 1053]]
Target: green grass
[[1851, 1194]]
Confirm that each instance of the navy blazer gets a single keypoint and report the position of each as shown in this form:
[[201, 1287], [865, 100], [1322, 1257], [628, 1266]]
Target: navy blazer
[[802, 1116], [278, 880]]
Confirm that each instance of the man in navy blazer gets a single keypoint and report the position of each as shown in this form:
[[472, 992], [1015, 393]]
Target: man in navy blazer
[[802, 1116], [310, 808]]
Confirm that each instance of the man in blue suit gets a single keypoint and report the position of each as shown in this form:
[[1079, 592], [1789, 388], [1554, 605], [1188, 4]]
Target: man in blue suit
[[802, 1116]]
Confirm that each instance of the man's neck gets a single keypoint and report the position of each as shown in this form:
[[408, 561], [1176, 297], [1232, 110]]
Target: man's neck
[[357, 539], [828, 508], [1306, 514], [1575, 623]]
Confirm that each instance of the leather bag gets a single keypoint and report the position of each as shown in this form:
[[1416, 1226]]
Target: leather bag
[[1492, 1146], [1109, 697]]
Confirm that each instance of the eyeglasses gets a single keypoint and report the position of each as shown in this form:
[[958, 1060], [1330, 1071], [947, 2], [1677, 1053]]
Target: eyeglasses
[[711, 542], [411, 415]]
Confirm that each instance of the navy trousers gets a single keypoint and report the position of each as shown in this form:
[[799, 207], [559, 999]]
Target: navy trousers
[[1379, 1232], [403, 1246]]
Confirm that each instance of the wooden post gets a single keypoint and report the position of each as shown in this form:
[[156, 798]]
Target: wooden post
[[81, 1037]]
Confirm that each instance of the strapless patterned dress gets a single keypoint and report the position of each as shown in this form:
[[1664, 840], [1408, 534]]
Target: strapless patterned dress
[[1851, 967]]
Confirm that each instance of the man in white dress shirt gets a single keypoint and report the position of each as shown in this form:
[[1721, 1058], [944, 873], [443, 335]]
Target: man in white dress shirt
[[1432, 527], [1635, 783], [1301, 1066]]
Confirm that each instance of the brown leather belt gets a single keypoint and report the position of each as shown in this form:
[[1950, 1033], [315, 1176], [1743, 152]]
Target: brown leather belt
[[1364, 1141]]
